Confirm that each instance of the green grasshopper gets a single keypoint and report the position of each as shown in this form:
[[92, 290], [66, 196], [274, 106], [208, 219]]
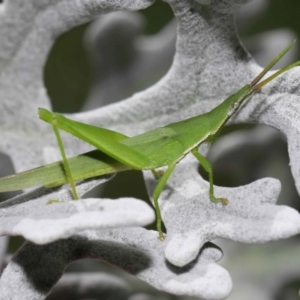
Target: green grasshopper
[[164, 146]]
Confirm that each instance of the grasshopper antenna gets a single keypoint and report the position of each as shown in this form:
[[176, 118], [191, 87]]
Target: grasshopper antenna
[[279, 72], [272, 63]]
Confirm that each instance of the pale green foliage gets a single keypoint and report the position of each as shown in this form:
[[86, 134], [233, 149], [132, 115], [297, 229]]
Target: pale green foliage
[[209, 65]]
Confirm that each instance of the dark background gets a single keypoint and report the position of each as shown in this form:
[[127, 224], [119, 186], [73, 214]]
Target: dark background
[[67, 72]]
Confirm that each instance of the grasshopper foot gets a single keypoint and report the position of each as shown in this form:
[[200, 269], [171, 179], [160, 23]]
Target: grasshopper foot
[[157, 174], [161, 236], [160, 173], [51, 201], [224, 201]]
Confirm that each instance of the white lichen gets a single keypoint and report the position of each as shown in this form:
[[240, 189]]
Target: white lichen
[[209, 64]]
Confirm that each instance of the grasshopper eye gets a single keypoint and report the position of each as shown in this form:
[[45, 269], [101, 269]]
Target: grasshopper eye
[[232, 108]]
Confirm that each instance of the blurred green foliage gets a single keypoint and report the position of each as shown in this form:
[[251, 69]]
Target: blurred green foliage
[[67, 76], [280, 14]]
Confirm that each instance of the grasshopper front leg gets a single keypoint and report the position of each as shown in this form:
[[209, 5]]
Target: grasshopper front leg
[[208, 168]]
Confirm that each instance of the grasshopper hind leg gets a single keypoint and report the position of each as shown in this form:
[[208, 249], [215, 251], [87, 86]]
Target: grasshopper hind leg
[[65, 162]]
